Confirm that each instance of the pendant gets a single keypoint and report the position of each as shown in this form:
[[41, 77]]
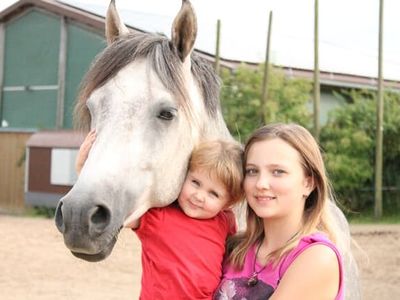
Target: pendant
[[252, 280]]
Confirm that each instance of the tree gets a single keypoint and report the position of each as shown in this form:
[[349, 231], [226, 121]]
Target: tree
[[241, 99], [348, 141]]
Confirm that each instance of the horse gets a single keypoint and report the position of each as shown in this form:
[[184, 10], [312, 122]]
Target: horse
[[150, 100]]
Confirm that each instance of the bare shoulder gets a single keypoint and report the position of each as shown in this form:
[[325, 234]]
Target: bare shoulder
[[318, 262], [314, 274], [319, 256]]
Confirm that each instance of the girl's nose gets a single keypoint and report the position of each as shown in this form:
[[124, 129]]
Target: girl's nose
[[262, 182], [199, 197]]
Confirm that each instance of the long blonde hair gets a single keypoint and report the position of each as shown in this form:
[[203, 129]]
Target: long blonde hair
[[316, 216]]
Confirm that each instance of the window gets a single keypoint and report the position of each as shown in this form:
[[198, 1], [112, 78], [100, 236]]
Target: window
[[63, 166]]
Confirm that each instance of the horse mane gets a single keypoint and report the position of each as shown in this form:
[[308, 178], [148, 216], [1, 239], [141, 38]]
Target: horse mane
[[162, 55]]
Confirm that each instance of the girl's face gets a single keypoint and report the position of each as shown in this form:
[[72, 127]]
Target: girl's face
[[202, 197], [275, 183]]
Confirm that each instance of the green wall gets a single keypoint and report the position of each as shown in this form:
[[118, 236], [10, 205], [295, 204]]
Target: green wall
[[31, 50], [83, 45], [35, 109], [31, 59]]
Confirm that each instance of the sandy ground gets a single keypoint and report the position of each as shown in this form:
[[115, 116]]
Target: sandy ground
[[35, 264]]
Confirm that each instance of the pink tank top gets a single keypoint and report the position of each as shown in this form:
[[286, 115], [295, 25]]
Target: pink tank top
[[235, 284]]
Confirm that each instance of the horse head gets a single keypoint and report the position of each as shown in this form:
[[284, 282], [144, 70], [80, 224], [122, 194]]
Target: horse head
[[150, 100]]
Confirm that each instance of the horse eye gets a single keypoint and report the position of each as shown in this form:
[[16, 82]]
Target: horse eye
[[166, 115]]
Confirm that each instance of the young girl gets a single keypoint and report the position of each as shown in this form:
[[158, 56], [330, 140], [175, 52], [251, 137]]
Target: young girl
[[288, 249], [183, 244]]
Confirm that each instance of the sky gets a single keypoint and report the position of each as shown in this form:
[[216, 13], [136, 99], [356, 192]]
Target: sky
[[348, 30]]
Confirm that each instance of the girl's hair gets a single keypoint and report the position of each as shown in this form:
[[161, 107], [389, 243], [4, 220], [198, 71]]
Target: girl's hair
[[316, 214], [223, 161]]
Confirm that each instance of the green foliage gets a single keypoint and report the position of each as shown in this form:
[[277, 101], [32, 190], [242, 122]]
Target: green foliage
[[241, 99], [41, 211], [349, 143]]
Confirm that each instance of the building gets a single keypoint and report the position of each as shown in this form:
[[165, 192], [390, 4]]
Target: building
[[50, 166], [45, 49], [46, 46]]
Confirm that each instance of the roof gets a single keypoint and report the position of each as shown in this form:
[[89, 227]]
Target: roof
[[55, 7], [56, 139], [342, 80], [85, 15]]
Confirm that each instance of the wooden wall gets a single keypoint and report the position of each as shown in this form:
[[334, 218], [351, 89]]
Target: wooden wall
[[40, 171], [12, 170]]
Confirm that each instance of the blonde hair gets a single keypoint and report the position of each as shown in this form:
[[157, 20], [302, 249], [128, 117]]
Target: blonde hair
[[316, 215], [223, 161]]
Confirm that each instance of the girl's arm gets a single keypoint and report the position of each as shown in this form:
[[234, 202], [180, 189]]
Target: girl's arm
[[314, 274]]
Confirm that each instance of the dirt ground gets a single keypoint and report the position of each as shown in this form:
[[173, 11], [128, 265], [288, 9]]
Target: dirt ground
[[35, 264]]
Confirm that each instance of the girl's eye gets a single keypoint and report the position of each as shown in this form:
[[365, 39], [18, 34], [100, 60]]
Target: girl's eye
[[251, 171], [195, 182], [278, 172], [214, 194]]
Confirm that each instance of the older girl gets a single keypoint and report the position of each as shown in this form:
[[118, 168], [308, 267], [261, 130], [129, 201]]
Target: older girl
[[288, 250]]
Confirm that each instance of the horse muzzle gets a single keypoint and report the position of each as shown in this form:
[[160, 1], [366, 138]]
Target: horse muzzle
[[87, 228]]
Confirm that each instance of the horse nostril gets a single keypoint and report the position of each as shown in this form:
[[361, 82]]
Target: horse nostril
[[59, 218], [100, 218]]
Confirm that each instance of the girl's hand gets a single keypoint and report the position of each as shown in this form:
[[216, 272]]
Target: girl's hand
[[84, 150]]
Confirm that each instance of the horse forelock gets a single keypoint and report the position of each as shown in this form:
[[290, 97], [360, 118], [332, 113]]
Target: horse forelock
[[164, 60]]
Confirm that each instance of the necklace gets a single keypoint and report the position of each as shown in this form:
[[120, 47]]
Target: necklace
[[253, 279]]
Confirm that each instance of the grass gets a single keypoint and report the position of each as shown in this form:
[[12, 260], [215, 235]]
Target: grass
[[367, 217], [364, 217], [40, 212]]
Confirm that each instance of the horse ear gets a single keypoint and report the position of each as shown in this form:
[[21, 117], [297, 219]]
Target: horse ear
[[114, 26], [184, 30]]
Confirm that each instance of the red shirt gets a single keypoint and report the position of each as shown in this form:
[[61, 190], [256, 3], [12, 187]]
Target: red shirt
[[181, 256]]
